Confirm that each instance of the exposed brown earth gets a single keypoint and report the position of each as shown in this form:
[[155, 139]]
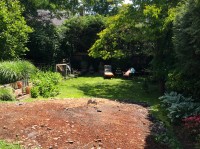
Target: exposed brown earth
[[76, 124]]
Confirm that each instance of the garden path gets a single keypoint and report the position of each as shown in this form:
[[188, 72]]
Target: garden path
[[76, 124]]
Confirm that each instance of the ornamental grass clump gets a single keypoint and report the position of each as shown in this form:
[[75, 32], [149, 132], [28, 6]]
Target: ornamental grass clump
[[6, 94], [12, 71]]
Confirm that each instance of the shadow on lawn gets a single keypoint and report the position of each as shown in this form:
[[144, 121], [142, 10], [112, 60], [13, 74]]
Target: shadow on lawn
[[124, 91], [128, 91]]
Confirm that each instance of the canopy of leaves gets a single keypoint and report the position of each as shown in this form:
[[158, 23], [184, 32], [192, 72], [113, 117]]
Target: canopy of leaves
[[13, 30], [187, 46], [44, 43], [80, 33], [122, 36]]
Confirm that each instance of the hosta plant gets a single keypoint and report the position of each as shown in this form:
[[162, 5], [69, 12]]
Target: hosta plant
[[179, 107]]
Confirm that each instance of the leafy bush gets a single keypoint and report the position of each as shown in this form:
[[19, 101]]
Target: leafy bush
[[12, 71], [34, 92], [192, 125], [45, 83], [174, 82], [179, 107], [6, 94], [188, 85], [6, 145]]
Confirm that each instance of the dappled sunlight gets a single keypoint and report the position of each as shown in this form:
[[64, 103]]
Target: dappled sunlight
[[115, 89]]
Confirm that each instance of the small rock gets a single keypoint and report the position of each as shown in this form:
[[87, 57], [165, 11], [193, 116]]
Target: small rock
[[20, 142], [100, 144], [97, 140], [48, 128], [19, 104], [56, 138], [42, 125], [99, 110], [32, 135], [30, 144], [4, 127], [70, 141]]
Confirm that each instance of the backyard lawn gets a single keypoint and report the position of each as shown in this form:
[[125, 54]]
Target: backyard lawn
[[114, 89]]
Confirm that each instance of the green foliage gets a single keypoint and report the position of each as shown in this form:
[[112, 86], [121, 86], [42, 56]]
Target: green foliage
[[5, 145], [163, 135], [79, 34], [121, 36], [174, 82], [35, 92], [13, 30], [12, 71], [179, 107], [187, 43], [102, 7], [44, 43], [45, 84], [6, 94]]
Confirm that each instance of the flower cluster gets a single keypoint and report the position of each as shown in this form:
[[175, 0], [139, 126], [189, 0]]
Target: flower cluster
[[192, 124]]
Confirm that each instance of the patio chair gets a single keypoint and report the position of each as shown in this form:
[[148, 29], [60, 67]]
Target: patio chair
[[108, 72], [129, 73]]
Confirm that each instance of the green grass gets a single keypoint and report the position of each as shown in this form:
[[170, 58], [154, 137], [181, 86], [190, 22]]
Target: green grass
[[5, 145], [115, 89]]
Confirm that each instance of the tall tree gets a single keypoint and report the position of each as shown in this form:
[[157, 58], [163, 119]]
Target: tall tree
[[102, 7], [121, 37], [144, 27], [80, 34], [13, 30], [186, 78]]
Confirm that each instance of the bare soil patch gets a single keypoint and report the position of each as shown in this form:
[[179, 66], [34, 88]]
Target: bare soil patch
[[76, 124]]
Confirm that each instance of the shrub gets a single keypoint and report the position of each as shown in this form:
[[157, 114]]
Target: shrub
[[192, 125], [6, 94], [12, 71], [34, 92], [185, 84], [179, 107], [46, 83]]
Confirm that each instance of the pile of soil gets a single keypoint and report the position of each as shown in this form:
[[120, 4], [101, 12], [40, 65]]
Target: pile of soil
[[76, 124]]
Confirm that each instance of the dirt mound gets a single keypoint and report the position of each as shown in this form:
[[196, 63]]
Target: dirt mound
[[75, 124]]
